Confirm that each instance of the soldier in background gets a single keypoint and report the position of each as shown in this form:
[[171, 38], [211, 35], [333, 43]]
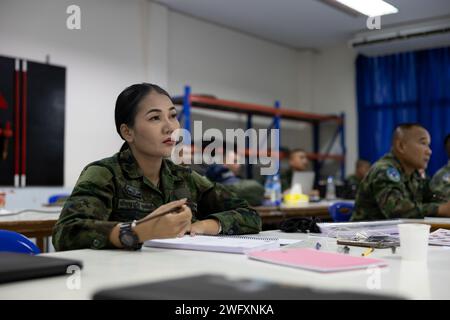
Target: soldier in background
[[229, 174], [361, 168], [138, 194], [298, 161], [393, 187], [352, 182], [440, 183]]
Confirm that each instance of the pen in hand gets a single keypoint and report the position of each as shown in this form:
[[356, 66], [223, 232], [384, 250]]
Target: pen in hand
[[177, 209], [148, 218]]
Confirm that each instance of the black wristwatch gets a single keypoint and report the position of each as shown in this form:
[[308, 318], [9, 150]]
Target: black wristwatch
[[128, 237]]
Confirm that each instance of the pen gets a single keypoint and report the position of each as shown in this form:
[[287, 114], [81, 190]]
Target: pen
[[174, 210], [367, 252]]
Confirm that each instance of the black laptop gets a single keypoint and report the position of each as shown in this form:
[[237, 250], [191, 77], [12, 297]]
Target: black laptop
[[215, 287], [19, 266]]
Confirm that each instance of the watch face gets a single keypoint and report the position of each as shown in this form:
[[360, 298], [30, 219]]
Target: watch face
[[127, 240]]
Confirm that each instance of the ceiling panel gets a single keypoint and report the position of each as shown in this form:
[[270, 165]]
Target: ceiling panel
[[301, 23]]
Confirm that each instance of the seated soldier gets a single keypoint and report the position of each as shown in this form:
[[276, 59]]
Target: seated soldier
[[353, 181], [440, 184], [362, 167], [298, 162], [393, 187], [228, 174]]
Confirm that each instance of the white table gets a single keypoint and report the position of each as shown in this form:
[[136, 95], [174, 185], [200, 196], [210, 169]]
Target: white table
[[110, 268]]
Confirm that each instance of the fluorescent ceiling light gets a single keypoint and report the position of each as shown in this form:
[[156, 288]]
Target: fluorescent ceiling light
[[371, 8]]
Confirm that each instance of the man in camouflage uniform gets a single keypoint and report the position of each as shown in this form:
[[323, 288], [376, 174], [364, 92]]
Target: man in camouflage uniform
[[298, 161], [352, 182], [393, 187], [362, 167], [114, 190], [440, 184]]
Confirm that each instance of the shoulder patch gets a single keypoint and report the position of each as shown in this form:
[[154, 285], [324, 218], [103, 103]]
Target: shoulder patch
[[393, 174]]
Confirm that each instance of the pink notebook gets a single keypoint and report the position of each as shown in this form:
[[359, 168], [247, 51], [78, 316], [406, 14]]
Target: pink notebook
[[315, 260]]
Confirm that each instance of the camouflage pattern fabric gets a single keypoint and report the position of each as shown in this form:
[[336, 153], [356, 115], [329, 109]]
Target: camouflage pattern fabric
[[440, 183], [387, 192], [114, 190], [249, 190]]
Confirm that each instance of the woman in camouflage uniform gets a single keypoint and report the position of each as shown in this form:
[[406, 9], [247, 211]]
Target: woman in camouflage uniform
[[114, 198]]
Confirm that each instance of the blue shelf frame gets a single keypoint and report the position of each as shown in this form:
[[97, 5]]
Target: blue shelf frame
[[185, 119]]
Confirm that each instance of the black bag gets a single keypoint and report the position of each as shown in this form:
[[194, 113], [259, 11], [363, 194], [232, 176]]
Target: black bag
[[303, 225]]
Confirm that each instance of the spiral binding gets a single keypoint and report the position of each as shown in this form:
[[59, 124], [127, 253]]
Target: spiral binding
[[245, 237]]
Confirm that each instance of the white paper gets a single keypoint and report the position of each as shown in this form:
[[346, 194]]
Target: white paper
[[440, 237]]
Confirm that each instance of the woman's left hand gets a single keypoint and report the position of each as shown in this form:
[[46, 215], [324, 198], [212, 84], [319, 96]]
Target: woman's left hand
[[207, 226]]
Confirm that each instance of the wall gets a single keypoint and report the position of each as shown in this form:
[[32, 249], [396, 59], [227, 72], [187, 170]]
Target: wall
[[124, 42], [102, 58], [334, 91]]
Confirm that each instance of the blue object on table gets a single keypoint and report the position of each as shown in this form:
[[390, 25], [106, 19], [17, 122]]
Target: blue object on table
[[56, 197], [11, 241], [341, 211]]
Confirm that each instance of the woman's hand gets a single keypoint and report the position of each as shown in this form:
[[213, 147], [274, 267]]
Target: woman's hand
[[207, 226], [170, 225]]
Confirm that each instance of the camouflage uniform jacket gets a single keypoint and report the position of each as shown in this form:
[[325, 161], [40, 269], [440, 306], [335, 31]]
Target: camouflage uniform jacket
[[386, 192], [440, 184], [114, 190]]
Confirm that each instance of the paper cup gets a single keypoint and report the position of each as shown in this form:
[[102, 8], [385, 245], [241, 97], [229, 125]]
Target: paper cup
[[414, 241]]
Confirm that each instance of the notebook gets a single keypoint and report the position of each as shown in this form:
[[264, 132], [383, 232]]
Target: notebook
[[20, 266], [221, 243], [315, 260], [217, 287]]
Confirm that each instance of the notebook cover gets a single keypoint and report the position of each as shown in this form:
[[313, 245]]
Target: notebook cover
[[20, 266], [315, 260]]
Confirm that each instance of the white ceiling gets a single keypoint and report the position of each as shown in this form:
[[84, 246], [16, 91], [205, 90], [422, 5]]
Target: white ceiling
[[301, 23]]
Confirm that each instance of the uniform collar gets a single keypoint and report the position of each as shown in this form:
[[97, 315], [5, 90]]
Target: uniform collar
[[399, 166], [130, 166]]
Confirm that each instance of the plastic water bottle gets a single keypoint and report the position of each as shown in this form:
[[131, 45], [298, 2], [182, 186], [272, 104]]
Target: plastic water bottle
[[268, 191], [331, 189], [276, 190]]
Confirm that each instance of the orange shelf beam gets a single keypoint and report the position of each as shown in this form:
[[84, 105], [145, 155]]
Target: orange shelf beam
[[255, 109]]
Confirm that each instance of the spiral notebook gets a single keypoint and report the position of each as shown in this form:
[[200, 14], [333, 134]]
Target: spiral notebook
[[221, 243]]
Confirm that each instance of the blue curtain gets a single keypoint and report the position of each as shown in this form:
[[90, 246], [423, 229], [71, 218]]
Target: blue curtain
[[403, 87]]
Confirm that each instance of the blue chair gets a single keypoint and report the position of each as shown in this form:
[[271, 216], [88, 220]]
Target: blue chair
[[11, 241], [341, 211]]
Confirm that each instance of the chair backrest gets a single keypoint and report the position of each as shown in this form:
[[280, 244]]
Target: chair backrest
[[341, 211], [11, 241]]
